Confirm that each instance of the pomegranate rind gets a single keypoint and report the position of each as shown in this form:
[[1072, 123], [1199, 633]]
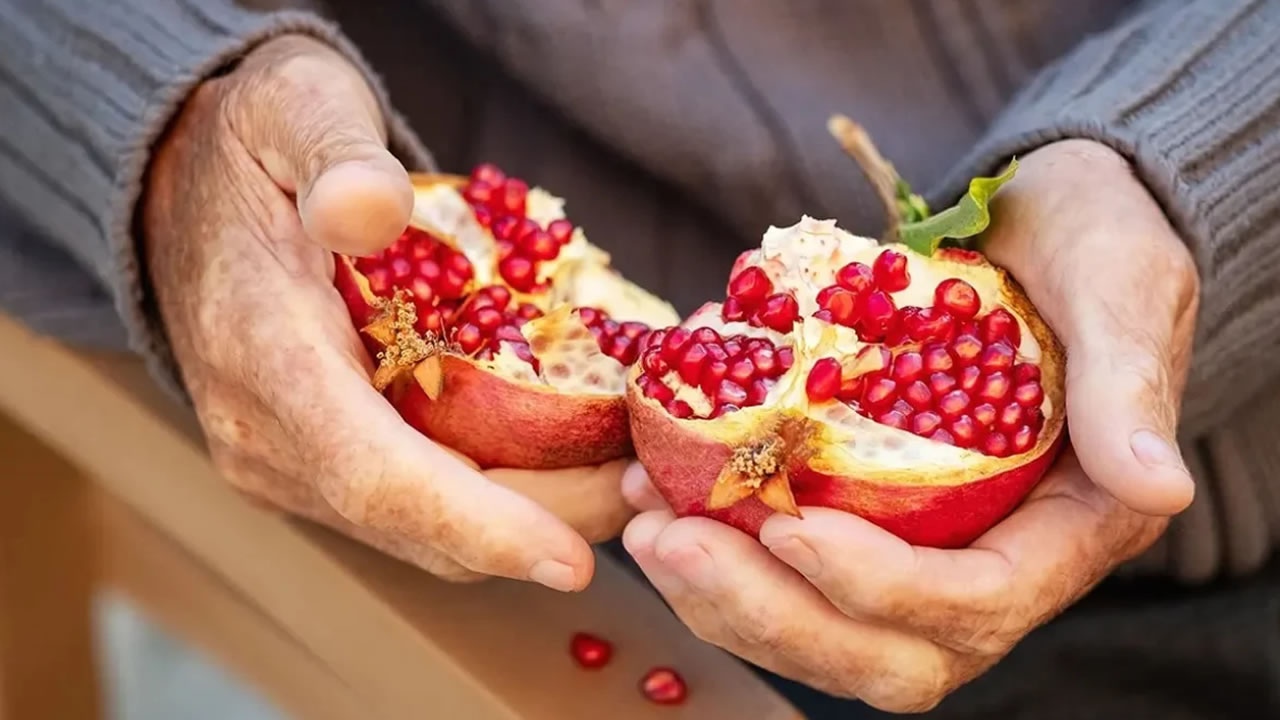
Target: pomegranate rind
[[930, 505], [500, 421]]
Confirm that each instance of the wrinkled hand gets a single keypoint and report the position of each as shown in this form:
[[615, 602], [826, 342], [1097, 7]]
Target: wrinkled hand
[[267, 169], [836, 602]]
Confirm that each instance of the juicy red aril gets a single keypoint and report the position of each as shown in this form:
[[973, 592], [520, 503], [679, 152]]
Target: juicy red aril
[[560, 230], [928, 324], [653, 363], [937, 359], [966, 349], [590, 651], [1028, 394], [876, 311], [995, 387], [786, 358], [655, 389], [713, 371], [779, 312], [679, 409], [824, 380], [1000, 324], [519, 273], [924, 423], [984, 414], [907, 366], [942, 436], [742, 371], [953, 403], [1010, 417], [539, 245], [969, 378], [879, 393], [1025, 373], [664, 686], [620, 341], [957, 297], [513, 195], [732, 310], [750, 287], [917, 393], [478, 193], [893, 418], [890, 271], [964, 430], [766, 361], [941, 383], [996, 444], [855, 277], [674, 344], [690, 363], [731, 393], [488, 173], [1022, 440], [840, 303], [469, 337], [706, 336], [996, 357]]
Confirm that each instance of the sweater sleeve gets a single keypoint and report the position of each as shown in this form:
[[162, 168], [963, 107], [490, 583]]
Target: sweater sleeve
[[1189, 91], [87, 89]]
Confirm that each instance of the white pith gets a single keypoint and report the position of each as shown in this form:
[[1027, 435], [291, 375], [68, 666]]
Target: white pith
[[803, 258], [570, 358]]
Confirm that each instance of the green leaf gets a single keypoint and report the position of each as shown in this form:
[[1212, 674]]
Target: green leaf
[[911, 207], [967, 218]]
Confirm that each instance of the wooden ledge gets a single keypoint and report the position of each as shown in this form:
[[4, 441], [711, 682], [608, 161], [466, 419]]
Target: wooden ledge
[[401, 642]]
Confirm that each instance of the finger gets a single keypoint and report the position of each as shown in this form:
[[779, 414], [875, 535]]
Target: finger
[[639, 490], [312, 122], [729, 590], [588, 499], [979, 600], [1121, 297]]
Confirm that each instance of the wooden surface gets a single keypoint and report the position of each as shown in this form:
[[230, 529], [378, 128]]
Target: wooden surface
[[400, 642], [46, 583]]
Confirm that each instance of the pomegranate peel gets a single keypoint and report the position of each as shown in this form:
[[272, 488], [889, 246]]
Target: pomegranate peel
[[920, 390], [512, 364]]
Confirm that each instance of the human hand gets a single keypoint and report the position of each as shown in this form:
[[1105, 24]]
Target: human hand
[[266, 170], [840, 604]]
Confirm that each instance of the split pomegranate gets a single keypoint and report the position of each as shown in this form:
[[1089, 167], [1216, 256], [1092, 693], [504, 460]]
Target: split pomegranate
[[923, 393], [498, 329]]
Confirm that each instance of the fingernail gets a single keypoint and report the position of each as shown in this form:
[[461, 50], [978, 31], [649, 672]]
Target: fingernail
[[553, 574], [798, 555], [694, 566], [1155, 452]]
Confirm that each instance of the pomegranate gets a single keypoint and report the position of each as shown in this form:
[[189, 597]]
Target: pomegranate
[[921, 392], [499, 330]]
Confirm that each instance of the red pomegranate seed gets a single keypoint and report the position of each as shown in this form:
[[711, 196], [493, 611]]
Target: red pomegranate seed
[[969, 378], [539, 245], [512, 199], [941, 383], [1023, 438], [679, 409], [855, 277], [518, 272], [1000, 324], [590, 651], [907, 366], [429, 322], [779, 312], [890, 271], [903, 407], [957, 297], [984, 414], [713, 371], [730, 393], [724, 410], [996, 357], [876, 311], [505, 226], [401, 269], [380, 281], [478, 192], [732, 310], [964, 430], [995, 387], [469, 337], [766, 362], [842, 304], [422, 291], [654, 364], [786, 358], [996, 444], [509, 333], [966, 349], [632, 329], [930, 325], [1010, 417], [953, 403], [690, 363], [623, 349], [742, 371], [674, 345], [1029, 394], [925, 423], [917, 393], [824, 380], [483, 215], [893, 418], [529, 311], [757, 391], [879, 393], [488, 173], [1025, 373], [524, 228], [561, 231], [656, 389], [487, 319], [750, 287], [942, 436], [733, 348], [706, 336], [937, 359], [664, 686], [653, 339]]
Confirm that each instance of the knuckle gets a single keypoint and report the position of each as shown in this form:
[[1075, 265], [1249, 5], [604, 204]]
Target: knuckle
[[914, 688], [760, 628]]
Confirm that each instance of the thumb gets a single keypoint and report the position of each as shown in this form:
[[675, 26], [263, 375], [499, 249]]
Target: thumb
[[1122, 414], [315, 126]]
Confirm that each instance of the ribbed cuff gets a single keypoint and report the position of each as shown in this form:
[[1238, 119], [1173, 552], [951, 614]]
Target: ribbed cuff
[[1187, 91]]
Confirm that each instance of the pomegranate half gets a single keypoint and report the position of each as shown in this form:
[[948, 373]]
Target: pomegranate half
[[499, 330], [921, 392]]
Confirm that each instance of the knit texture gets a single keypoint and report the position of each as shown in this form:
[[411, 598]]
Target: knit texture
[[88, 90], [1190, 93]]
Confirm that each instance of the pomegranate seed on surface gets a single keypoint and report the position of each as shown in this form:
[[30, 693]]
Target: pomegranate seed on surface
[[890, 271], [1000, 324], [674, 344], [664, 686], [957, 297], [1010, 417], [841, 304], [706, 336], [590, 651], [786, 358], [824, 380], [656, 389], [731, 393]]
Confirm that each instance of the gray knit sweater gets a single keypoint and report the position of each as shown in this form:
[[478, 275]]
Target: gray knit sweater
[[710, 114]]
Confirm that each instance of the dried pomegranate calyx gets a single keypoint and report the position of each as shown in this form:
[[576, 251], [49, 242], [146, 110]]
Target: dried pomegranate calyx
[[402, 346]]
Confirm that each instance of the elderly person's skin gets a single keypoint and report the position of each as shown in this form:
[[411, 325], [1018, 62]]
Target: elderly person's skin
[[266, 170], [837, 603]]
